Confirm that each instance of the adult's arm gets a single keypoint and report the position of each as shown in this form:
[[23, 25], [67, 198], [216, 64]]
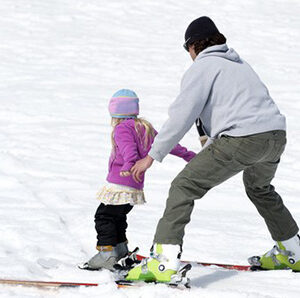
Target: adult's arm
[[183, 112], [181, 151]]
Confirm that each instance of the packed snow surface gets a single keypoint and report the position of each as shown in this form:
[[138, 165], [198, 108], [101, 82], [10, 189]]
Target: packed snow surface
[[61, 60]]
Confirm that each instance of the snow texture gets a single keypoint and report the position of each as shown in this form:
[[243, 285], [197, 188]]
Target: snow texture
[[61, 60]]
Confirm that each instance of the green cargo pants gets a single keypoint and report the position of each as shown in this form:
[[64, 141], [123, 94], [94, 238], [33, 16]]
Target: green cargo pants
[[257, 156]]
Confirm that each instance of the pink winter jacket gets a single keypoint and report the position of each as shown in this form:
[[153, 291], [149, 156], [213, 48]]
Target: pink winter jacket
[[129, 149]]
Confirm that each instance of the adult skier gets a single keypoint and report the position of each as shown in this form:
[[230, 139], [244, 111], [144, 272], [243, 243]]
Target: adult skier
[[249, 135]]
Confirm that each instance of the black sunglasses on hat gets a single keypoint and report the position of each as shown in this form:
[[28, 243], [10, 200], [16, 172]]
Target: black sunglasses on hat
[[186, 44]]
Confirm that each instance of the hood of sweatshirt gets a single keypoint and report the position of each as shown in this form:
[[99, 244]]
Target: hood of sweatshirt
[[221, 51]]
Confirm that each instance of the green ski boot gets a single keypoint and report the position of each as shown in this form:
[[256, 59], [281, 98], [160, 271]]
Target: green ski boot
[[284, 255], [290, 255], [160, 267]]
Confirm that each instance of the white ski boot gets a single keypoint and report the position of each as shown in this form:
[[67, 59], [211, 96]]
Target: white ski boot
[[107, 257], [122, 250]]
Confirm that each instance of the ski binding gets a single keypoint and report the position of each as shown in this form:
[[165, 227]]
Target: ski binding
[[178, 280]]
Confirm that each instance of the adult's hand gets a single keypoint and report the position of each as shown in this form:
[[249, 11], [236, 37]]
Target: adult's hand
[[140, 167]]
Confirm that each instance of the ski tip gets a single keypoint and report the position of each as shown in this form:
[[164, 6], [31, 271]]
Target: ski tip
[[85, 266], [123, 283], [82, 266]]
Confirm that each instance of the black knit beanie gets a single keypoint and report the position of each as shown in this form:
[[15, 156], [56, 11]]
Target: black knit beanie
[[200, 29]]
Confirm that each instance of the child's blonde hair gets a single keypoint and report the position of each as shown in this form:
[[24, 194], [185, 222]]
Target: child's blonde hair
[[138, 124]]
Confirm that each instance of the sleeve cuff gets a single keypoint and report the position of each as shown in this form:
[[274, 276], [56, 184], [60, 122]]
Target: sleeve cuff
[[190, 156], [156, 155]]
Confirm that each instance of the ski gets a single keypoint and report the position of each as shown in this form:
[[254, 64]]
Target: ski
[[139, 283], [39, 283], [56, 284], [59, 284], [122, 283], [226, 266]]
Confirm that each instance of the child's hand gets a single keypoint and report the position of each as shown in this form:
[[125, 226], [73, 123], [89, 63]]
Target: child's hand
[[125, 174]]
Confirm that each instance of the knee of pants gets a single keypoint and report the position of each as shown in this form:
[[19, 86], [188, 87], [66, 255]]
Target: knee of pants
[[256, 183], [187, 187], [121, 225], [176, 181], [180, 182], [260, 192], [248, 180], [103, 220], [103, 223]]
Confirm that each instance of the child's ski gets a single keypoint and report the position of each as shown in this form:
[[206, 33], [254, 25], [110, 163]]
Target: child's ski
[[39, 283], [60, 284], [56, 284]]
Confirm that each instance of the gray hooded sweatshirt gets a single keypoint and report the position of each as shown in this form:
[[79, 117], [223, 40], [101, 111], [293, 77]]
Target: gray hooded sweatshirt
[[226, 94]]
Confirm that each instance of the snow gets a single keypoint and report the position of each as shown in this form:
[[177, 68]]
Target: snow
[[61, 60]]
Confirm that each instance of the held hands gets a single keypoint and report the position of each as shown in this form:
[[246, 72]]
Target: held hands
[[125, 174], [140, 167]]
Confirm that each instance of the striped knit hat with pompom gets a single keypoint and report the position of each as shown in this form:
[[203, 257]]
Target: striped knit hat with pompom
[[124, 104]]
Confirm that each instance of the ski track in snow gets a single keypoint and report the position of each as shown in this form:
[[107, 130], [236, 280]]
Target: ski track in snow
[[61, 61]]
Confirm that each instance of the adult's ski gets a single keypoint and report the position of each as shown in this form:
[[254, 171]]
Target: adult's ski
[[59, 284], [226, 266], [178, 280]]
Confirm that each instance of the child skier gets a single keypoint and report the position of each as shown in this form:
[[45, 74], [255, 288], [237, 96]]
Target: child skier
[[132, 138]]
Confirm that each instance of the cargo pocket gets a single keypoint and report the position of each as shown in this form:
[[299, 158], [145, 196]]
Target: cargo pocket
[[221, 156], [251, 151], [226, 149]]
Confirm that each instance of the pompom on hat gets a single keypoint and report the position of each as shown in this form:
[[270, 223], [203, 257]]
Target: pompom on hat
[[124, 104]]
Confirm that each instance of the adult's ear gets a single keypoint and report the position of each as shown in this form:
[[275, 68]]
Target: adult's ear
[[192, 51]]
